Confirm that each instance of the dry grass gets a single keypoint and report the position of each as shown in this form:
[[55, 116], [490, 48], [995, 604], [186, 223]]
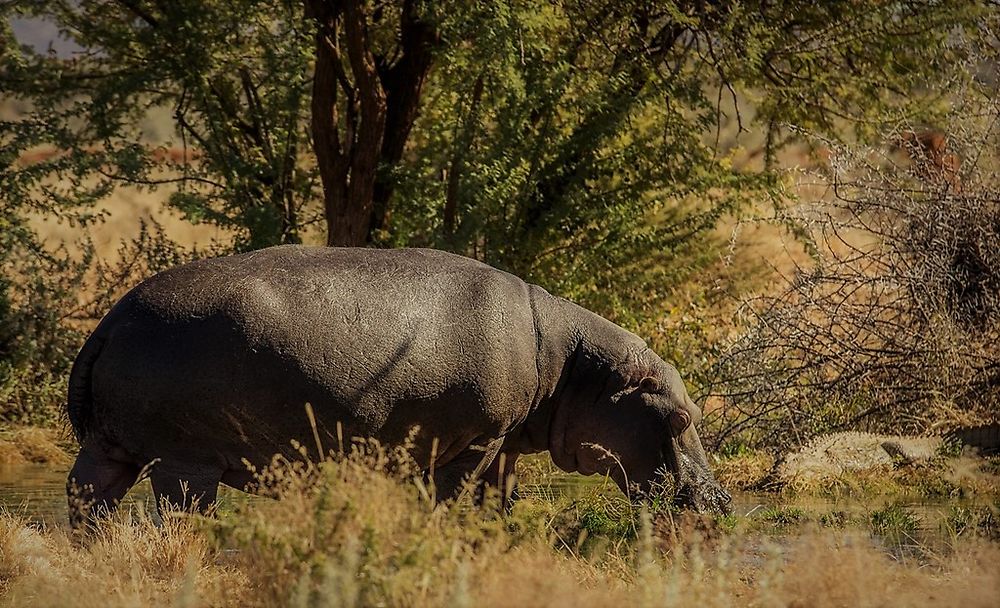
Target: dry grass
[[124, 212], [22, 445], [344, 534], [128, 562], [744, 472], [941, 478], [963, 477]]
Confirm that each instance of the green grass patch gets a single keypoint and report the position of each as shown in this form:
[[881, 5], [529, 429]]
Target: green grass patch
[[981, 520], [781, 517], [835, 519], [894, 523]]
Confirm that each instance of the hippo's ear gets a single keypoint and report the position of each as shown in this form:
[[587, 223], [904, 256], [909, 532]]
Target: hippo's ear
[[649, 384]]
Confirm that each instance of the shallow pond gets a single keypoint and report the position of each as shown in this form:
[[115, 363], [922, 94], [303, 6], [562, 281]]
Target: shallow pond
[[38, 491]]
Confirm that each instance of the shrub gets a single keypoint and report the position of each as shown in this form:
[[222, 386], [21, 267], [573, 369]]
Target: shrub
[[895, 326], [49, 298]]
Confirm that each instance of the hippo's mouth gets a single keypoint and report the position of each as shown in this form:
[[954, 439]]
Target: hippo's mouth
[[690, 492], [695, 488], [703, 498]]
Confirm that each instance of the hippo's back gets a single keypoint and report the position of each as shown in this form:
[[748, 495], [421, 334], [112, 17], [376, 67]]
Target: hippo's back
[[228, 350], [314, 277]]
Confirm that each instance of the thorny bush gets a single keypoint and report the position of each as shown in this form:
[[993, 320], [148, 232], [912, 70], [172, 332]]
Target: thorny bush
[[895, 325]]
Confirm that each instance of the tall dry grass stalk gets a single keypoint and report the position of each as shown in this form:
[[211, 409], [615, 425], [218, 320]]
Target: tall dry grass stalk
[[363, 532]]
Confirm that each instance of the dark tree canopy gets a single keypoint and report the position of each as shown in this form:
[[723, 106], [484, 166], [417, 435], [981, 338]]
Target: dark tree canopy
[[575, 143]]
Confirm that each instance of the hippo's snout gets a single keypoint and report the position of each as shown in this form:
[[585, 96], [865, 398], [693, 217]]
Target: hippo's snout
[[697, 488], [707, 498]]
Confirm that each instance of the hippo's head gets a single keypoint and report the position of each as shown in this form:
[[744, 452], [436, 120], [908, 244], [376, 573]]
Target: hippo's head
[[643, 435]]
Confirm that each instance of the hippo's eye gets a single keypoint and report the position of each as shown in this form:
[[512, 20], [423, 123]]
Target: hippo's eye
[[680, 420]]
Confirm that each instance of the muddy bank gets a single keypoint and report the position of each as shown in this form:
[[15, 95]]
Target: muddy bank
[[34, 445], [963, 474]]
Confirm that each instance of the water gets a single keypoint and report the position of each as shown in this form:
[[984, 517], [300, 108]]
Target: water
[[33, 489], [39, 492]]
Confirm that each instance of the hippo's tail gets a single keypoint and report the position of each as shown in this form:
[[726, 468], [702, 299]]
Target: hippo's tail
[[80, 400]]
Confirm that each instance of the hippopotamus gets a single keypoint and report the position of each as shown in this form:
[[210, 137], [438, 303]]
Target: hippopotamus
[[205, 370]]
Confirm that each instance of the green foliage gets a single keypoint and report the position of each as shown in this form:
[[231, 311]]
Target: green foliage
[[978, 520], [589, 147], [234, 78], [824, 66], [575, 144], [951, 447], [587, 525], [734, 449], [726, 523], [571, 143], [781, 516], [30, 395], [601, 518], [38, 292], [931, 481], [894, 523], [570, 158]]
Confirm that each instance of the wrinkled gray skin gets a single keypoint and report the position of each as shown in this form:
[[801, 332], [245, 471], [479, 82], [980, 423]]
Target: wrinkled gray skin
[[210, 363]]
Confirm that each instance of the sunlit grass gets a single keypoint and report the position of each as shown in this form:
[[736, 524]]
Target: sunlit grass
[[20, 445], [943, 478], [363, 531]]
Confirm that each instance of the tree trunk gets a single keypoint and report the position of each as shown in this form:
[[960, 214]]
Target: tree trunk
[[403, 82], [347, 162], [371, 125]]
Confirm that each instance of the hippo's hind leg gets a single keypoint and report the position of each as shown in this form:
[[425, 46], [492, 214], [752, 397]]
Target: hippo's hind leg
[[191, 488], [96, 484]]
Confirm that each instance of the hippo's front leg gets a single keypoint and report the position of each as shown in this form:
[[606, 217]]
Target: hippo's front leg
[[467, 466], [500, 475]]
